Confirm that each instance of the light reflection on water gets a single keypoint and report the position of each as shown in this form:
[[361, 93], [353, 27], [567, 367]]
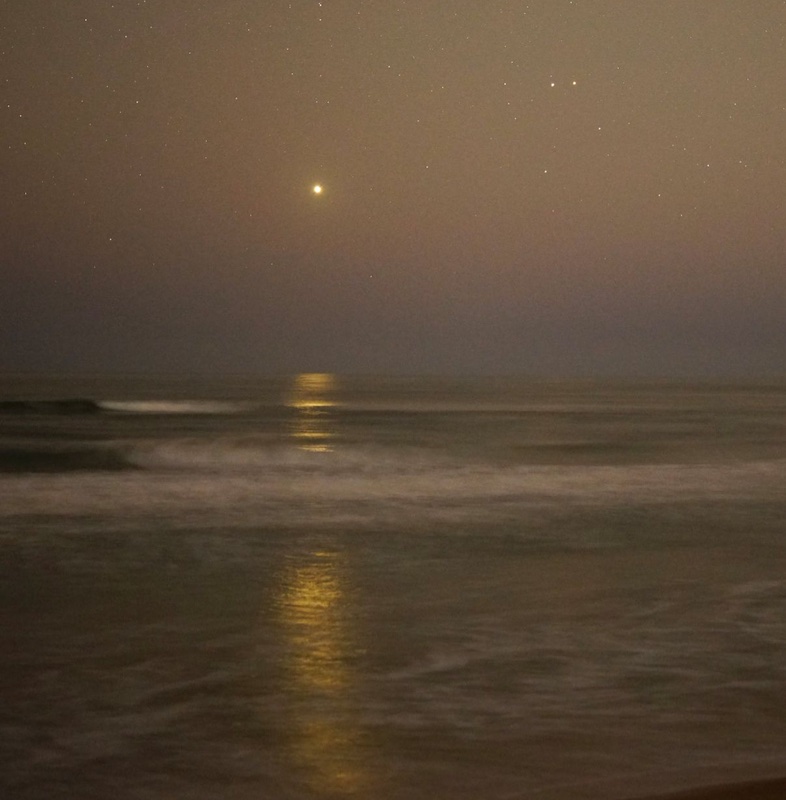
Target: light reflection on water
[[312, 399], [315, 611]]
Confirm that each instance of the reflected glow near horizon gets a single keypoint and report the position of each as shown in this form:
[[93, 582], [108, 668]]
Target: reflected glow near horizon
[[312, 397]]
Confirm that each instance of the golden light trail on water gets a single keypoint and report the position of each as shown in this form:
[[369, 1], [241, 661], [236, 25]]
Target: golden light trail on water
[[315, 612]]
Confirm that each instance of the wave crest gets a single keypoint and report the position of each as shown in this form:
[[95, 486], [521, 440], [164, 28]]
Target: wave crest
[[83, 405], [166, 407]]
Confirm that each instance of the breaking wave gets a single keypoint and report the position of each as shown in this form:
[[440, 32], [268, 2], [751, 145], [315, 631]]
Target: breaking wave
[[81, 406], [173, 407]]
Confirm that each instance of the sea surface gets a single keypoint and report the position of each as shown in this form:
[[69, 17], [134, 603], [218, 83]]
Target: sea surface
[[320, 586]]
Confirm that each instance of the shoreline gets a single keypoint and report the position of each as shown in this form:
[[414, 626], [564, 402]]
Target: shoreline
[[767, 789]]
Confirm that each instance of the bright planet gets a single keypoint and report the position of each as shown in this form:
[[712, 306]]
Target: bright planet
[[317, 189]]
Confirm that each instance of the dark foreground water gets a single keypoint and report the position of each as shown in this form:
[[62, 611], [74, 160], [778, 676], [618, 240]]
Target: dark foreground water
[[323, 587]]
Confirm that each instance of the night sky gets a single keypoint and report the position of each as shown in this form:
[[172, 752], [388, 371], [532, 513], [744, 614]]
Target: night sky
[[548, 188]]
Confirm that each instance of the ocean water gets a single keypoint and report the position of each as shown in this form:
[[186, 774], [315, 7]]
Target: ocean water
[[319, 586]]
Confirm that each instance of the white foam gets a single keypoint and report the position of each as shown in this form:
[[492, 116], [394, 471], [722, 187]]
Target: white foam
[[259, 480], [173, 406]]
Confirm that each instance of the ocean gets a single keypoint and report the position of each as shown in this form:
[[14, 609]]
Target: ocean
[[320, 586]]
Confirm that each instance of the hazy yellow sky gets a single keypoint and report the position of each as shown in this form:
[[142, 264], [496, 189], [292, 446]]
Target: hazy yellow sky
[[548, 187]]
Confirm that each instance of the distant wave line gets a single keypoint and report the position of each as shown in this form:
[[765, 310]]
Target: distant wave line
[[174, 406], [83, 406]]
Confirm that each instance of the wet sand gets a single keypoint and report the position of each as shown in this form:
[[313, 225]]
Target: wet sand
[[774, 789]]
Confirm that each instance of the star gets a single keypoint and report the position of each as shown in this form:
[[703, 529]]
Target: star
[[317, 188]]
